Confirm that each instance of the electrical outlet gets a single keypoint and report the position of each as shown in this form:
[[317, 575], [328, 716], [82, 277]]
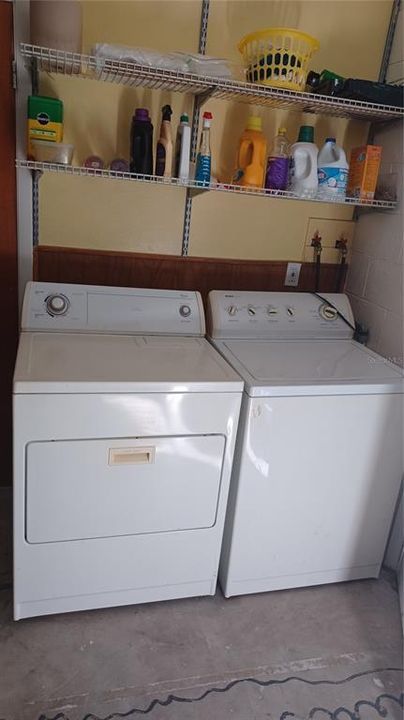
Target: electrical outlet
[[292, 274]]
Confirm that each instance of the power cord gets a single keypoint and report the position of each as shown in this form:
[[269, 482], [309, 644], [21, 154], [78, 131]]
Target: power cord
[[333, 715]]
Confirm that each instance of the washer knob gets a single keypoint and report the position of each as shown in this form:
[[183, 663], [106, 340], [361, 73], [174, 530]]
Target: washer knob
[[185, 311], [328, 312], [232, 310], [57, 304], [251, 310]]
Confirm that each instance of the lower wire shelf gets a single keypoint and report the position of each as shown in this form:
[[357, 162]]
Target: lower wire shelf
[[195, 186]]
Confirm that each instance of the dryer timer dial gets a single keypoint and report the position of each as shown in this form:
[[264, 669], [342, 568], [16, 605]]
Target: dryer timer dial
[[57, 304]]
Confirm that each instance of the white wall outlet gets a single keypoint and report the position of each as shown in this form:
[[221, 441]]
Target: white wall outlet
[[292, 274]]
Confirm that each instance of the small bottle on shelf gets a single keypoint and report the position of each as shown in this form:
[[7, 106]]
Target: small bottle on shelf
[[164, 150], [277, 175], [203, 160], [183, 148]]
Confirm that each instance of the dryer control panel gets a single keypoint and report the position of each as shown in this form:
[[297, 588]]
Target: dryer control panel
[[274, 315], [61, 307]]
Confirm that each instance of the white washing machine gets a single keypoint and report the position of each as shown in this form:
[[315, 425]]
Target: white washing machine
[[318, 462], [124, 430]]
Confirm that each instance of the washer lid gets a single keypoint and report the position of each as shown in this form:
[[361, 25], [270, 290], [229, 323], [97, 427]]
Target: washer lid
[[297, 367], [78, 363]]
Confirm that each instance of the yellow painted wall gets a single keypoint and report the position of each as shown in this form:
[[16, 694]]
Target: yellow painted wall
[[129, 216]]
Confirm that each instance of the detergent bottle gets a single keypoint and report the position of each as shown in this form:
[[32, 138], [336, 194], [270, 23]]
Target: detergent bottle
[[303, 169], [141, 143], [251, 155], [332, 171]]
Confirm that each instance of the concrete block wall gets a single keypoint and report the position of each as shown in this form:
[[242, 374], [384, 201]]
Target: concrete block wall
[[376, 275]]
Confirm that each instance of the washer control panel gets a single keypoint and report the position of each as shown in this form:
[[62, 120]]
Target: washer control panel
[[85, 308], [273, 315]]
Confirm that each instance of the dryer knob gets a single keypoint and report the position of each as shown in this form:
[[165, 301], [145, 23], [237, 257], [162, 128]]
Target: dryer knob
[[57, 304], [232, 310], [252, 311], [185, 311]]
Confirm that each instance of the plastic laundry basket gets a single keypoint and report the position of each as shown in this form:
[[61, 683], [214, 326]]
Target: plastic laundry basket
[[278, 56]]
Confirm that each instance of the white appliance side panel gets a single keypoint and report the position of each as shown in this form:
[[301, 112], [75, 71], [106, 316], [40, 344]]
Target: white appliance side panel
[[313, 491], [101, 572], [77, 489]]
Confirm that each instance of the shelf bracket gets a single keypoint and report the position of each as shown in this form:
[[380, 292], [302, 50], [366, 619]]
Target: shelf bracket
[[34, 76], [204, 96], [36, 175], [198, 102]]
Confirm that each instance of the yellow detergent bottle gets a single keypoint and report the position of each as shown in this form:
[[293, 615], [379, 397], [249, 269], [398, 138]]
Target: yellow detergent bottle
[[252, 153]]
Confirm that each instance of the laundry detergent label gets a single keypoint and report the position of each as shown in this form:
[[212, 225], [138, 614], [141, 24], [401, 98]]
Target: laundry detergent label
[[333, 179], [277, 173]]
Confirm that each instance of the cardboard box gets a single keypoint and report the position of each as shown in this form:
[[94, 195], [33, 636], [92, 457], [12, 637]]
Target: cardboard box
[[363, 171], [45, 121]]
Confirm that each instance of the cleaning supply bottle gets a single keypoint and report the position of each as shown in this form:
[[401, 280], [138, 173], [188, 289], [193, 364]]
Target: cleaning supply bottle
[[303, 168], [141, 143], [332, 171], [251, 155], [164, 150], [203, 160], [277, 175], [183, 148]]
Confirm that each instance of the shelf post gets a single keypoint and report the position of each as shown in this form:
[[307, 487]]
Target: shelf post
[[203, 33]]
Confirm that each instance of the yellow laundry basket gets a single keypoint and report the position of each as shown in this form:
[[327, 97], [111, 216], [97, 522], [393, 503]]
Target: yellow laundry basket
[[278, 56]]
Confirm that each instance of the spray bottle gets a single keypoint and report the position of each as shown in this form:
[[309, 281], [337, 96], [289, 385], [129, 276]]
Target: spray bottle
[[164, 150], [203, 160]]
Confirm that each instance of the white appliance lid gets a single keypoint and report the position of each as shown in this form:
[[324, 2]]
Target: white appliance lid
[[294, 367], [94, 363]]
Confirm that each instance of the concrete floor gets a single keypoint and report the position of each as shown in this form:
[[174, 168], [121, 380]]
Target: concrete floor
[[327, 652]]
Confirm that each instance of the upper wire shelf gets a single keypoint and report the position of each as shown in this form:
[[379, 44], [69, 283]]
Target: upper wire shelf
[[195, 186], [131, 75]]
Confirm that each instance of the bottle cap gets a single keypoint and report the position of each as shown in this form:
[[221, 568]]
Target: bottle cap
[[184, 118], [254, 123], [330, 139], [142, 114], [306, 134], [207, 115]]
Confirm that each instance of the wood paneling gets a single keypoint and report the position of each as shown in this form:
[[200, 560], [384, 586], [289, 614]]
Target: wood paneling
[[94, 267], [8, 237]]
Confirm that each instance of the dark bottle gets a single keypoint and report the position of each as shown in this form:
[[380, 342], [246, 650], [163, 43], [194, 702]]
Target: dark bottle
[[141, 143]]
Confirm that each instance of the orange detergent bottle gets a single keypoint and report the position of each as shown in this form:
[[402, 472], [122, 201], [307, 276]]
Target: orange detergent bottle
[[252, 153]]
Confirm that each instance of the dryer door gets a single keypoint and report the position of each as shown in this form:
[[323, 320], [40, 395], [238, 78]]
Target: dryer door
[[78, 489]]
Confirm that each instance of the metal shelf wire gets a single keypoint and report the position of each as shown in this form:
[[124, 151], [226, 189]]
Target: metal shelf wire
[[195, 187], [131, 75]]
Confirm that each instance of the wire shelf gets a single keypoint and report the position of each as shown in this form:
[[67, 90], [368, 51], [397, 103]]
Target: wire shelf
[[131, 75], [195, 186]]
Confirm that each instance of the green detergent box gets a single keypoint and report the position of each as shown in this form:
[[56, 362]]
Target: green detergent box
[[45, 120]]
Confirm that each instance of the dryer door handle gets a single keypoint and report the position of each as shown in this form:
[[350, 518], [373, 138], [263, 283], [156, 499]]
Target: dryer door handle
[[131, 456]]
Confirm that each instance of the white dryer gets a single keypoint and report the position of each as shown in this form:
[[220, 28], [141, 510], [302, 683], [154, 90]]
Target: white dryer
[[124, 430], [319, 461]]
